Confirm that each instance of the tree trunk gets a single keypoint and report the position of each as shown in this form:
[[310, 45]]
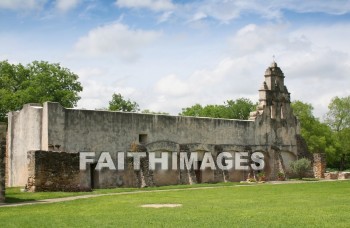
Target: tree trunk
[[342, 161]]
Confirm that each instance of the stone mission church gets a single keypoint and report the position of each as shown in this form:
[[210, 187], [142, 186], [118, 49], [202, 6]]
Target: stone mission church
[[44, 142]]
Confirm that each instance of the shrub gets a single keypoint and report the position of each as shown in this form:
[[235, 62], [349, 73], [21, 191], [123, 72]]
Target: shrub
[[261, 176], [281, 176], [300, 167]]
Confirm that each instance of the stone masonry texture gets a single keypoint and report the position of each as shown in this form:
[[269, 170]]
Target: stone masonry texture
[[49, 129]]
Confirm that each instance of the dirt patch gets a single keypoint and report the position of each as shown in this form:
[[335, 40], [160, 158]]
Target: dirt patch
[[161, 205]]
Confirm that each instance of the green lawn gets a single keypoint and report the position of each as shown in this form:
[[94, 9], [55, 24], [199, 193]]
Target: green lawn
[[317, 204], [14, 195]]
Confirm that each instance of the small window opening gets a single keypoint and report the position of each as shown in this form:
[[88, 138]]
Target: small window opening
[[273, 112], [282, 112], [142, 138]]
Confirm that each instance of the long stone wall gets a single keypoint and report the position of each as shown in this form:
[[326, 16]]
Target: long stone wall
[[53, 127], [59, 171], [272, 129], [86, 130]]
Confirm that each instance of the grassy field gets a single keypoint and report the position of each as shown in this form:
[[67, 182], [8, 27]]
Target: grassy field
[[14, 195], [316, 204]]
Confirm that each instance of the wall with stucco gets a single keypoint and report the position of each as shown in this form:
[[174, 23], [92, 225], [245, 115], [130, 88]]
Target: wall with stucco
[[24, 134], [86, 130], [53, 127], [272, 129]]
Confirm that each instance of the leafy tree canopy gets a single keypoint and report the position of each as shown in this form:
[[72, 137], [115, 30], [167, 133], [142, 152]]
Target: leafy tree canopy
[[36, 82], [331, 137], [119, 103], [319, 136], [338, 118], [238, 109]]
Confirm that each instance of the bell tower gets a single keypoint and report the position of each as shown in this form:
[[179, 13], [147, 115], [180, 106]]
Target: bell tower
[[274, 97]]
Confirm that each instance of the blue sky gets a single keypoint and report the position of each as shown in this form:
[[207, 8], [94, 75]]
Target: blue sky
[[167, 55]]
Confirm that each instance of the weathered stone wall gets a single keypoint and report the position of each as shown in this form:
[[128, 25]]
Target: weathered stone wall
[[337, 175], [319, 165], [36, 128], [24, 134], [55, 171], [272, 130], [331, 176], [59, 171], [84, 130], [78, 130], [344, 176]]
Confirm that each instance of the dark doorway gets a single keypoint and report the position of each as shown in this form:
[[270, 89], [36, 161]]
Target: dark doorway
[[93, 176], [198, 172]]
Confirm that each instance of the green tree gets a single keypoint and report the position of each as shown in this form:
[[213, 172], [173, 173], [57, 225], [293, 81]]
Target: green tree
[[238, 109], [119, 103], [343, 137], [195, 110], [36, 82], [338, 118], [318, 136]]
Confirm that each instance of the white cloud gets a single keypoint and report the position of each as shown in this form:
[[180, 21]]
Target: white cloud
[[315, 70], [22, 4], [99, 87], [197, 67], [223, 11], [66, 5], [165, 16], [199, 16], [318, 65], [155, 5], [61, 5], [252, 38], [317, 75], [315, 61], [206, 86], [172, 85], [330, 7], [228, 10], [333, 36], [116, 40]]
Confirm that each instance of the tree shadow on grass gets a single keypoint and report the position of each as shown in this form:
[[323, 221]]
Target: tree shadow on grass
[[17, 200]]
